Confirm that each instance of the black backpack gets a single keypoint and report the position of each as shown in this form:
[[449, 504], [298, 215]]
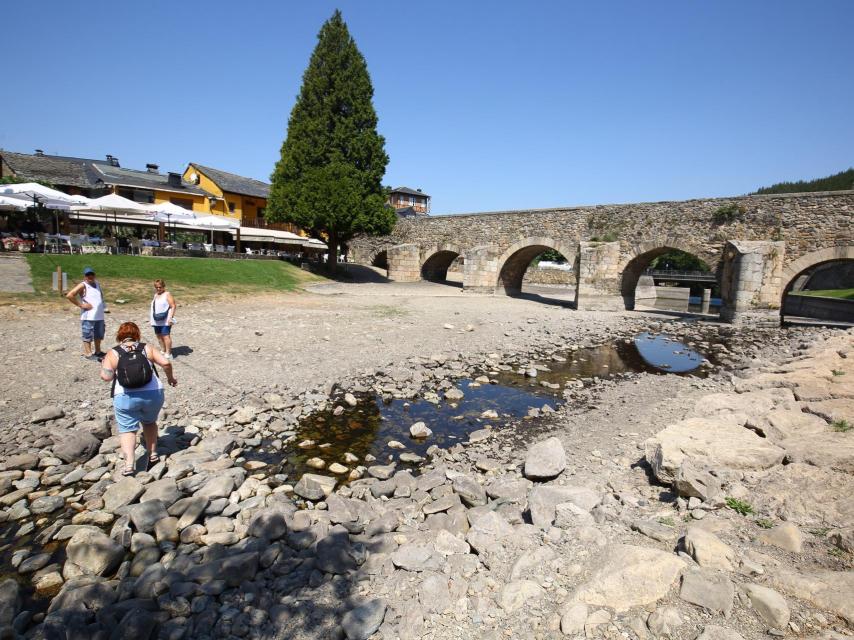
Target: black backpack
[[134, 370]]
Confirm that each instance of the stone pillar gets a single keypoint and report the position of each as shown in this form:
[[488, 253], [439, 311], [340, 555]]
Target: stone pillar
[[707, 300], [645, 292], [404, 263], [480, 269], [751, 280], [597, 266]]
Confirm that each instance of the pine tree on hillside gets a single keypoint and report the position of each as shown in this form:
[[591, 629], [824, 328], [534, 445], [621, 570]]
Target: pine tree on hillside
[[842, 181], [328, 179]]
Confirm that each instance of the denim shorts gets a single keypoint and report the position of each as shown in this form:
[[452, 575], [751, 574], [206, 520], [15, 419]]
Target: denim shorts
[[92, 329], [135, 407], [164, 330]]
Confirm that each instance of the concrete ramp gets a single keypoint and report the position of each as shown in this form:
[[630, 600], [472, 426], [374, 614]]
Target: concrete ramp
[[15, 274]]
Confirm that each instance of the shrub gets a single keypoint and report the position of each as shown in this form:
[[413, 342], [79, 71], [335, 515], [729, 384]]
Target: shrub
[[728, 213], [841, 426], [739, 506]]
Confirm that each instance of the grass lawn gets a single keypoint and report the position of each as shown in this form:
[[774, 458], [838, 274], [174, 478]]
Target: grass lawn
[[130, 277], [845, 294]]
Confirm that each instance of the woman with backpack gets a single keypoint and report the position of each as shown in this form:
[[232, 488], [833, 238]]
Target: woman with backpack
[[137, 391], [163, 317]]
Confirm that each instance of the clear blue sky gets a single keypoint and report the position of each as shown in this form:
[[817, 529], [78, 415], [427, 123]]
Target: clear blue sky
[[484, 105]]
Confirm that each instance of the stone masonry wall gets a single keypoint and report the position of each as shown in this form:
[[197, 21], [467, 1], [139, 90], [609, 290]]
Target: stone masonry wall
[[803, 222]]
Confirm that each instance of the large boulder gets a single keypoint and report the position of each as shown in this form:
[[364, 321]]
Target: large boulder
[[543, 501], [334, 552], [94, 552], [807, 496], [75, 447], [630, 576], [146, 514], [122, 493], [10, 602], [720, 442], [830, 590], [708, 550], [47, 413], [693, 482], [545, 460], [361, 622], [770, 605], [315, 487], [21, 462]]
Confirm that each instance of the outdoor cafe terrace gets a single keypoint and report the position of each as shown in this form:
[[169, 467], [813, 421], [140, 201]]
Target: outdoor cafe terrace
[[38, 218]]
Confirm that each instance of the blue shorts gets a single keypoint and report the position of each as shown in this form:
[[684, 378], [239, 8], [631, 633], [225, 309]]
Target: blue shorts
[[163, 330], [135, 407], [92, 329]]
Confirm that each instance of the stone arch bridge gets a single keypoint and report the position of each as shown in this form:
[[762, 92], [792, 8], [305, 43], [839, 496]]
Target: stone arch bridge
[[757, 245]]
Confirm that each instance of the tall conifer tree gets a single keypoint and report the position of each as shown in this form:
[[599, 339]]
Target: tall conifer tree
[[328, 179]]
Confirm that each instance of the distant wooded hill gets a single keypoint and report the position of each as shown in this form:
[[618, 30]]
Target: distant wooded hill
[[842, 181]]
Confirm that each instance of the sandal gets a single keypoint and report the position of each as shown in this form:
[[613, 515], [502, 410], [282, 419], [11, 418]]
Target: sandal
[[128, 470], [153, 459]]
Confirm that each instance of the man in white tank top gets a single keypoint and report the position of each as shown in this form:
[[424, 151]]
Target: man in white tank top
[[89, 297]]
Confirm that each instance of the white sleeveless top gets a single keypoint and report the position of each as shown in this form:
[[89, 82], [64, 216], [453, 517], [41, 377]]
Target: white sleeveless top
[[92, 295], [153, 385], [158, 305]]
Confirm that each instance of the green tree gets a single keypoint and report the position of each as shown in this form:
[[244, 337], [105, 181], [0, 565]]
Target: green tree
[[841, 181], [328, 179]]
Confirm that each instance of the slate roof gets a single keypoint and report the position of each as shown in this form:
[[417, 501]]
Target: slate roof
[[409, 192], [144, 180], [234, 183], [59, 170], [90, 174]]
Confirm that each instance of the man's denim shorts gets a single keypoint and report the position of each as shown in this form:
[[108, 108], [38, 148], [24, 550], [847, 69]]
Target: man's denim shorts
[[164, 330], [134, 407], [92, 330]]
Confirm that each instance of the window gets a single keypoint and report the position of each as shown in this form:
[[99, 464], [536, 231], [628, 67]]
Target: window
[[146, 196], [260, 214], [231, 207], [182, 202]]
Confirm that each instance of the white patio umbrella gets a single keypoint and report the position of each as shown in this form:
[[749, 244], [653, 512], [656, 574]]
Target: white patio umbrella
[[39, 192], [39, 195], [112, 203], [170, 213], [13, 204], [212, 223]]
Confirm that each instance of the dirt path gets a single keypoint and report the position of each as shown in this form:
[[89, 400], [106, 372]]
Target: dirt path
[[232, 347], [14, 274]]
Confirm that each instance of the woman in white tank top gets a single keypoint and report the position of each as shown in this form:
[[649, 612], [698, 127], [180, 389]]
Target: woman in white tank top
[[162, 317]]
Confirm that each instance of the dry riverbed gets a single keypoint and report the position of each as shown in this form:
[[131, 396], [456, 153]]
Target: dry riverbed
[[637, 506]]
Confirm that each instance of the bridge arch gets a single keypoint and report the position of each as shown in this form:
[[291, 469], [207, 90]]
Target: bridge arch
[[643, 253], [437, 260], [803, 272], [814, 259], [515, 260], [379, 259]]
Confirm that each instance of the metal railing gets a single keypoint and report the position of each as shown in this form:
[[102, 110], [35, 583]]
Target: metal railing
[[673, 274]]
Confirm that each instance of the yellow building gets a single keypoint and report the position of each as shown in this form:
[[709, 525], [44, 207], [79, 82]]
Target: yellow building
[[234, 196], [151, 186]]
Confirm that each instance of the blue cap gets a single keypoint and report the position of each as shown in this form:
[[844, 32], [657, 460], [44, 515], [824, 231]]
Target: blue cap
[[88, 270]]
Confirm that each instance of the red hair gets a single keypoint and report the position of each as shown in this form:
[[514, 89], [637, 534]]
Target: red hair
[[128, 330]]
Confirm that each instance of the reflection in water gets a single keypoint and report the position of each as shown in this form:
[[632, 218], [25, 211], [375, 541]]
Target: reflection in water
[[368, 427], [667, 354], [607, 360]]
